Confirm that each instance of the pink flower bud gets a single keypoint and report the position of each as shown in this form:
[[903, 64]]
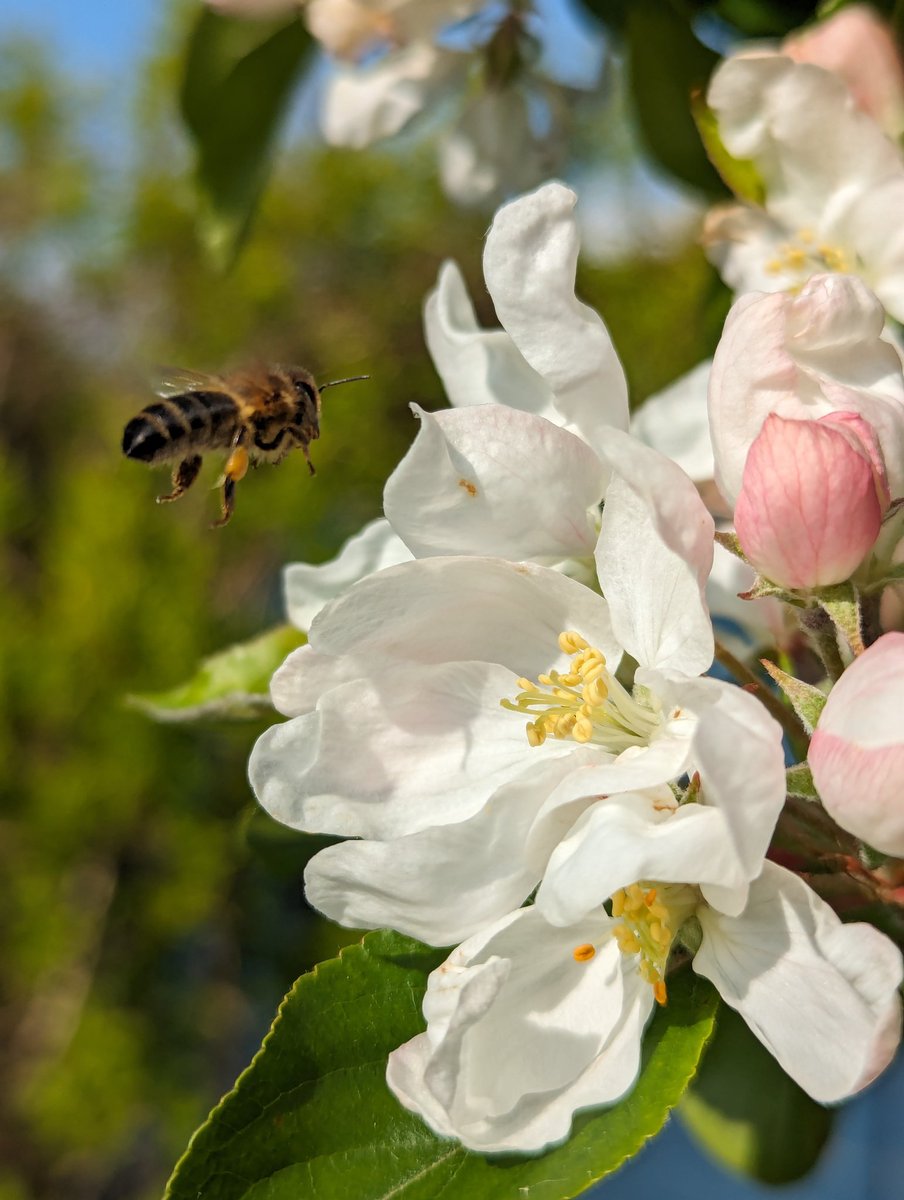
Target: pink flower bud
[[857, 751], [812, 499], [859, 46]]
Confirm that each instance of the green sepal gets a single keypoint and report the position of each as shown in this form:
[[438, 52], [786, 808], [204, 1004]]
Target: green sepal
[[239, 77], [230, 685], [842, 603], [729, 541], [313, 1119], [806, 700], [747, 1113], [799, 782], [739, 174]]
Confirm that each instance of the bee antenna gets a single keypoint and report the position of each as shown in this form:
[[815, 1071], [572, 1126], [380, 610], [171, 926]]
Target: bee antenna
[[336, 382]]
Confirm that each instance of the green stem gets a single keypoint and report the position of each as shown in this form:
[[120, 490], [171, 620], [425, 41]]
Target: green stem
[[785, 716]]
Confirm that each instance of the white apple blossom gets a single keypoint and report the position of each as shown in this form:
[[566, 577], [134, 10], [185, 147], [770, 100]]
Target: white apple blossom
[[512, 130], [529, 1020], [834, 182], [405, 727]]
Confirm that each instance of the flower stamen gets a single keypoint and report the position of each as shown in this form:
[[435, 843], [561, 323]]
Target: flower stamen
[[585, 703], [650, 916]]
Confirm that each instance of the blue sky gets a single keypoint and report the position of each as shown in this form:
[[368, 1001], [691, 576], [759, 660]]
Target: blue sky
[[95, 38]]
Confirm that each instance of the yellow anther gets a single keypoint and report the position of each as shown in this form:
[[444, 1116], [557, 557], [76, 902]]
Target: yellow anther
[[536, 735], [584, 952], [526, 685], [627, 942], [650, 898], [660, 992], [570, 641], [582, 731], [618, 902], [546, 680], [595, 692], [775, 266], [656, 932]]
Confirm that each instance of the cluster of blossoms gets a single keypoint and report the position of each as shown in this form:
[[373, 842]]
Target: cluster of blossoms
[[503, 703], [506, 87]]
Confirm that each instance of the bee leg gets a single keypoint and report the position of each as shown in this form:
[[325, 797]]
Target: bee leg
[[184, 475], [236, 467], [307, 457]]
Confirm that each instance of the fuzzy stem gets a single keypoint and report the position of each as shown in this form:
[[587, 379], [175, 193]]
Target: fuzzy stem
[[818, 625]]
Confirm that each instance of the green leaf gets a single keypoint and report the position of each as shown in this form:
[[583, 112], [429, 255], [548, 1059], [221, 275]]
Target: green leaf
[[239, 77], [233, 684], [747, 1113], [312, 1116], [740, 174], [667, 66]]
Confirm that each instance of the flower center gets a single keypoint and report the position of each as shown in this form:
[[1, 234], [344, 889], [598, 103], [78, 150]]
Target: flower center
[[804, 256], [651, 915], [585, 703]]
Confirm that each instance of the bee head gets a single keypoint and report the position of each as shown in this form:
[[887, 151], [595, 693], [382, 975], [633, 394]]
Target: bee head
[[307, 398]]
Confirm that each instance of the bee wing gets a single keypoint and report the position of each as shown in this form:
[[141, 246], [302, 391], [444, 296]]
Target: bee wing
[[174, 381]]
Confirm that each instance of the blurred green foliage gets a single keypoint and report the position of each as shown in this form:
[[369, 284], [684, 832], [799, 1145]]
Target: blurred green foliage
[[153, 919]]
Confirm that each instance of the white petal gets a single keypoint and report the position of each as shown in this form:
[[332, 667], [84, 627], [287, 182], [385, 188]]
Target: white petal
[[529, 265], [364, 104], [478, 366], [630, 837], [495, 481], [461, 609], [676, 423], [383, 757], [308, 587], [653, 557], [445, 883], [520, 1035], [738, 751], [821, 996]]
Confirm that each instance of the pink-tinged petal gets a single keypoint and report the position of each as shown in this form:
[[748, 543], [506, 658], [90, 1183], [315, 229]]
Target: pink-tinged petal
[[857, 751], [654, 556], [808, 512], [445, 883], [802, 357], [308, 587], [516, 986], [529, 264], [491, 480], [858, 45], [478, 366], [820, 995]]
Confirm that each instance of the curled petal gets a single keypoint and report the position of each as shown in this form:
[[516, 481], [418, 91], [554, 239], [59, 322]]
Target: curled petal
[[529, 265], [495, 481], [478, 366], [821, 996], [515, 985]]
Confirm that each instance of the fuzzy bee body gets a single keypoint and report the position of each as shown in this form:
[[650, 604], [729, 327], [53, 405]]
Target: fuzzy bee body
[[257, 415]]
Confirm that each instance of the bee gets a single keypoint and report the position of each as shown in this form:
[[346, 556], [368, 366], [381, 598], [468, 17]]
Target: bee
[[258, 415]]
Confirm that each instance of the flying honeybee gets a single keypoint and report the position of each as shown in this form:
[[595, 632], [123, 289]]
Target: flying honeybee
[[258, 414]]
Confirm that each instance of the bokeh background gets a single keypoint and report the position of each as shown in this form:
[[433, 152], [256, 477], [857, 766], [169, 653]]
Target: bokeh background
[[153, 918]]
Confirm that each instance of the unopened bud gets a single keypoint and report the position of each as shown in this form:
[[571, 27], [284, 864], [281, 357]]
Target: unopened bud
[[857, 752], [812, 499]]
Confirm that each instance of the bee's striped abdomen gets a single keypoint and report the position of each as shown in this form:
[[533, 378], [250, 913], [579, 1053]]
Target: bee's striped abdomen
[[203, 420]]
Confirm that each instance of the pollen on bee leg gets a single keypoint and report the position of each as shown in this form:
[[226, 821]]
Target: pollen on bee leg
[[584, 952], [237, 464]]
